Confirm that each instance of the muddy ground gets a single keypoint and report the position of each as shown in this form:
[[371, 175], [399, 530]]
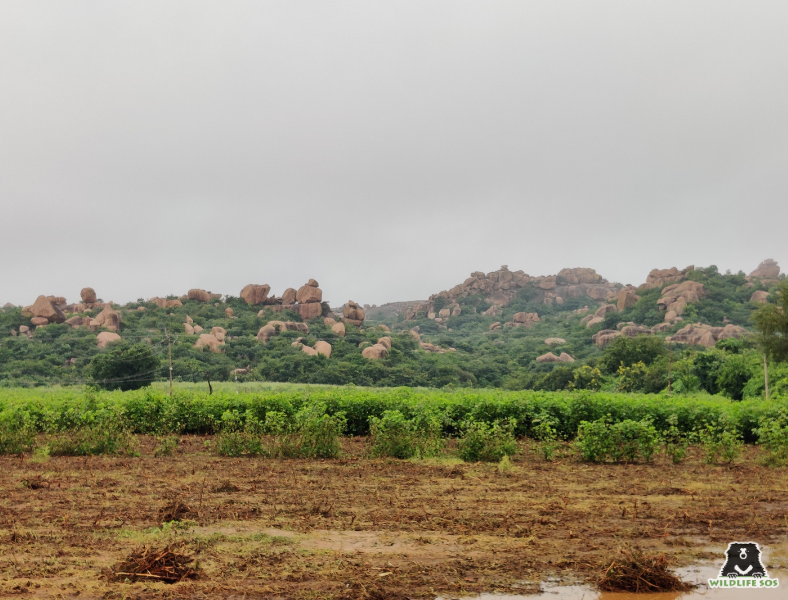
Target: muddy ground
[[362, 528]]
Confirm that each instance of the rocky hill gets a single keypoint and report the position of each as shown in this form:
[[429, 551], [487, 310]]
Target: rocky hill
[[493, 329]]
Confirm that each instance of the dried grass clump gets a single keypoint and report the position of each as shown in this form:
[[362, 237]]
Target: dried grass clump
[[634, 571], [149, 564], [175, 511]]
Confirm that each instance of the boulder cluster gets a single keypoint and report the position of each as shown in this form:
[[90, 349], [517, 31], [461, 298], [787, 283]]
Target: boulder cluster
[[307, 301], [500, 287], [659, 277], [768, 272], [552, 358], [699, 334], [676, 297]]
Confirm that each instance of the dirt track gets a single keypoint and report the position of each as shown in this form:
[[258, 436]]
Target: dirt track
[[360, 528]]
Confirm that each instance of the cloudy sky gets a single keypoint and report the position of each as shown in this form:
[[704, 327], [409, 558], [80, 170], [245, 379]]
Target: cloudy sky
[[385, 149]]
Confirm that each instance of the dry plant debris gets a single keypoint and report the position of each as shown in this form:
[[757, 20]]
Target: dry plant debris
[[155, 564], [637, 572]]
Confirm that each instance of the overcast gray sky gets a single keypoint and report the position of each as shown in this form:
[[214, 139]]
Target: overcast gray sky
[[385, 149]]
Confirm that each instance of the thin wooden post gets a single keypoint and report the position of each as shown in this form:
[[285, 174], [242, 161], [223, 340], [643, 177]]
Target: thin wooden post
[[766, 375]]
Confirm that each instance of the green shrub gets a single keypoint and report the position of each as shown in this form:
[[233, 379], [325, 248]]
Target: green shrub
[[85, 441], [587, 378], [484, 442], [394, 435], [17, 434], [544, 432], [125, 366], [721, 444], [628, 351], [239, 436], [624, 441], [632, 378], [318, 433], [675, 442], [773, 438]]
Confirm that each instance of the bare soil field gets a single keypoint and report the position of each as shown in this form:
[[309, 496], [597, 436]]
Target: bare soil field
[[356, 527]]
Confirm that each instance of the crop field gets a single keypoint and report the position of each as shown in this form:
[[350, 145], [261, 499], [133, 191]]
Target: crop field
[[283, 491]]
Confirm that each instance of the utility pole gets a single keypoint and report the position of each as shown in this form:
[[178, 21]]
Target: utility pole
[[236, 384], [766, 375], [169, 353], [670, 363]]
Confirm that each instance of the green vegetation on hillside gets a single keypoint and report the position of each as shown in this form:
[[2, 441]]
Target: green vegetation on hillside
[[469, 354]]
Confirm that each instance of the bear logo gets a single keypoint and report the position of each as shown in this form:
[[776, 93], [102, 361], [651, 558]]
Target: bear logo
[[743, 559]]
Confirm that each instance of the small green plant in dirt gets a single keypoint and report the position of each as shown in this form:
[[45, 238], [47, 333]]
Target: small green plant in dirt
[[485, 442], [773, 438], [396, 436], [544, 431], [675, 442], [167, 444], [505, 464], [721, 444], [625, 441], [239, 436]]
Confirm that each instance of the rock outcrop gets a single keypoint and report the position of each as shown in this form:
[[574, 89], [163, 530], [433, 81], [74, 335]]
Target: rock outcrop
[[552, 358], [353, 314], [604, 337], [219, 333], [209, 340], [759, 297], [88, 295], [309, 293], [323, 348], [699, 334], [676, 297], [500, 287], [199, 295], [255, 294], [43, 307], [271, 328], [626, 298], [339, 329], [555, 341], [166, 303], [659, 277], [375, 352], [106, 337], [768, 269], [107, 318]]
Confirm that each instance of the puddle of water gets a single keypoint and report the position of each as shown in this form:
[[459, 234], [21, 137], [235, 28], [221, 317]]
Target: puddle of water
[[697, 574]]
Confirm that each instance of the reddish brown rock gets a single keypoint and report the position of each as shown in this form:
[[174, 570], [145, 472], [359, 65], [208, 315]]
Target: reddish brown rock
[[385, 341], [626, 298], [255, 294], [109, 319], [199, 295], [43, 307], [210, 341], [604, 337], [759, 297], [106, 337], [323, 348], [309, 293], [289, 296], [219, 333], [308, 350], [496, 325], [565, 358], [188, 329], [308, 311], [548, 358], [339, 329], [768, 269], [39, 321], [88, 295], [375, 352], [555, 341], [229, 313], [353, 311]]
